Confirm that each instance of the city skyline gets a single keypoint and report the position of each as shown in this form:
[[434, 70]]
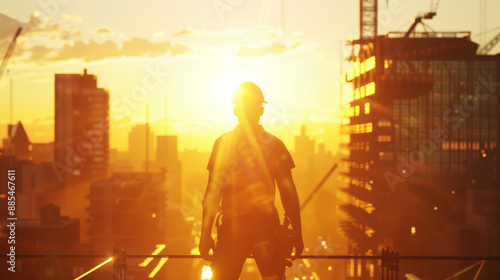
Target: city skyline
[[197, 61], [389, 118]]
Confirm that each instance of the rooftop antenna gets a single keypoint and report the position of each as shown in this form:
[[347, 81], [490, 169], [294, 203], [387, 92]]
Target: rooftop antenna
[[166, 129], [10, 76], [283, 30], [11, 126], [147, 138]]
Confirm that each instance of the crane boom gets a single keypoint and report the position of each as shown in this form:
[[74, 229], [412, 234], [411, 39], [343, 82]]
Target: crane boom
[[9, 51], [318, 187], [491, 44], [417, 20]]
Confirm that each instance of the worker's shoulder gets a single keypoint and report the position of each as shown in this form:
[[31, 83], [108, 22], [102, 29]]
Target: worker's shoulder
[[224, 139], [265, 136], [225, 136]]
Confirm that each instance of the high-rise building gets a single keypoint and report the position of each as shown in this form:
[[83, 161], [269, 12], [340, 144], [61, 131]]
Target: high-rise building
[[137, 147], [81, 144], [422, 115]]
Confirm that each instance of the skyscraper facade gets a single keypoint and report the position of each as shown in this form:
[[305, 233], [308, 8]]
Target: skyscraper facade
[[422, 116], [81, 144]]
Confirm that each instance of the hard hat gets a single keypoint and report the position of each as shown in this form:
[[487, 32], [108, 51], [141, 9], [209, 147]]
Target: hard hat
[[248, 91]]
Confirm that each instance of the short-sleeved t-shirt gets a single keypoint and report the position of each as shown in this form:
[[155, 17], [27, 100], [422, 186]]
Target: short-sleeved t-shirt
[[244, 167]]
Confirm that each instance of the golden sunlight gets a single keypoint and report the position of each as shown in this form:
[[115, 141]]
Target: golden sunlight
[[224, 81]]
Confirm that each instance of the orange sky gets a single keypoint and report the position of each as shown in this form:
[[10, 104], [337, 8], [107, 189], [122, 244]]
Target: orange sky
[[197, 55]]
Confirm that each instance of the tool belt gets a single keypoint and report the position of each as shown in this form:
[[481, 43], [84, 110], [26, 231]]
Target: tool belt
[[283, 236], [285, 240]]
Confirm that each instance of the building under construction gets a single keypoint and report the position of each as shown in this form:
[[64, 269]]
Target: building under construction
[[421, 110]]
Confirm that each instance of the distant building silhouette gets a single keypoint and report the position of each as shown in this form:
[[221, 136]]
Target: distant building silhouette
[[137, 146], [17, 143], [167, 158], [193, 179], [34, 174], [127, 209], [50, 234], [119, 161], [304, 149], [43, 152], [130, 209], [422, 113], [81, 144]]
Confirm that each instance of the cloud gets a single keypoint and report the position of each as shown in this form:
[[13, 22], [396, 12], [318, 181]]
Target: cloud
[[185, 31], [296, 45], [38, 28], [70, 34], [274, 48], [142, 47], [159, 34], [73, 18], [178, 49], [44, 121], [39, 53], [91, 51], [59, 38], [103, 31], [243, 42], [95, 51]]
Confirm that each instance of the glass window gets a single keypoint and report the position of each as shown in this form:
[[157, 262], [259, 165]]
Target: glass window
[[446, 87], [384, 138], [484, 134], [413, 122], [404, 109], [475, 134], [437, 87], [404, 133], [446, 98], [384, 123]]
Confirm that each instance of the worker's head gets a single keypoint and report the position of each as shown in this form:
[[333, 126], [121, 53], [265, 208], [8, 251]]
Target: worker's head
[[248, 100]]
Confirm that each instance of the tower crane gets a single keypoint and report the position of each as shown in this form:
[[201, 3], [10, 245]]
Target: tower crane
[[490, 45], [417, 20], [368, 14], [9, 51]]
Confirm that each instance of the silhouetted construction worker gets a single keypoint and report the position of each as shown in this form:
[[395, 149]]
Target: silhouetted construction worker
[[243, 168]]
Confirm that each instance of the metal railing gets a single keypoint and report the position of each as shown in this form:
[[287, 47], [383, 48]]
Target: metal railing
[[389, 260]]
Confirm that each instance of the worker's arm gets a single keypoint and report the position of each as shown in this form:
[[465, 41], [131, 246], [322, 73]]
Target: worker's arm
[[211, 203], [290, 201]]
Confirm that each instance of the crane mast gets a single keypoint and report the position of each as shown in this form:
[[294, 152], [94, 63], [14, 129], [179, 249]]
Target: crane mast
[[9, 51], [367, 20]]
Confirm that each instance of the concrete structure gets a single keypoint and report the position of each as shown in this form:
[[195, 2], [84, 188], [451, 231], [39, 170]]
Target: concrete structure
[[422, 115]]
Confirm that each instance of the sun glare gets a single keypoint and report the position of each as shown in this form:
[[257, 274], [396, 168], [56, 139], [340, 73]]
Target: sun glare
[[224, 81]]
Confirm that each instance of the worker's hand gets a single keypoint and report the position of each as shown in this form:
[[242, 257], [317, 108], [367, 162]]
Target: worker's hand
[[298, 243], [206, 243]]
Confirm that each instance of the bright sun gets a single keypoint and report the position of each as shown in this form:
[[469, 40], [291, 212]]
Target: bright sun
[[225, 80]]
